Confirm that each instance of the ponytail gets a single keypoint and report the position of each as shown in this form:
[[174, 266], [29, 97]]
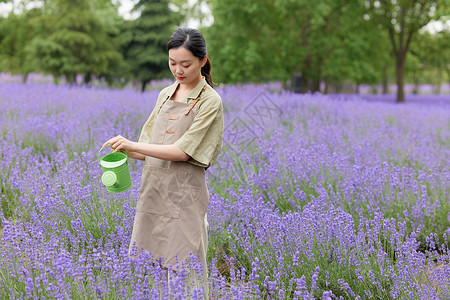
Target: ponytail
[[206, 71]]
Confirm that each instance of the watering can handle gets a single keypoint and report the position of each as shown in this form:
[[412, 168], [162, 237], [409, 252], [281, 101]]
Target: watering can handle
[[98, 154], [112, 150]]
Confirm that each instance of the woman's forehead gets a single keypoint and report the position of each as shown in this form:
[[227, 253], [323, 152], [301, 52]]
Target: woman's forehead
[[181, 54]]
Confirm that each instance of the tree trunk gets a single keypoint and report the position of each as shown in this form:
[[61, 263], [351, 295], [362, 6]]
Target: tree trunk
[[55, 79], [70, 78], [304, 84], [400, 84], [448, 75], [286, 85], [143, 85], [338, 87], [416, 84], [25, 77], [437, 89], [385, 86], [109, 80], [316, 85], [87, 78], [385, 82], [317, 78]]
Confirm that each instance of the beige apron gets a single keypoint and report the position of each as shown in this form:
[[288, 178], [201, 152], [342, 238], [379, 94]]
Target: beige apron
[[173, 198]]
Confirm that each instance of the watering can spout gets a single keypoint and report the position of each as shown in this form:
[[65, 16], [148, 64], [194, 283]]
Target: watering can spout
[[109, 178]]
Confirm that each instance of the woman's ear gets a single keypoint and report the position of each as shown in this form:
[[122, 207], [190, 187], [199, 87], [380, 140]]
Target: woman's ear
[[203, 61]]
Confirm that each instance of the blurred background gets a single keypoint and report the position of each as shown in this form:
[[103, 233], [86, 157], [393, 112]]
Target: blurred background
[[327, 46]]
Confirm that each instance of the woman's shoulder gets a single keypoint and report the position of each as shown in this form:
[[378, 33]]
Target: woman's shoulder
[[211, 97]]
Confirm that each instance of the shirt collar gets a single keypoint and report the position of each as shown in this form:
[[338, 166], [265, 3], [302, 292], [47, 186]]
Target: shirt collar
[[192, 93]]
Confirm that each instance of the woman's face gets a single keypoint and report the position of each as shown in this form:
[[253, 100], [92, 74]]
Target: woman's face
[[185, 67]]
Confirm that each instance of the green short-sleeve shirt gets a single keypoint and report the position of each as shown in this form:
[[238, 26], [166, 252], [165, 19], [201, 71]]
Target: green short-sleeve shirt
[[203, 140]]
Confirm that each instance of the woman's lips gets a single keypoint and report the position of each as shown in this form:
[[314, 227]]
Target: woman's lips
[[180, 78]]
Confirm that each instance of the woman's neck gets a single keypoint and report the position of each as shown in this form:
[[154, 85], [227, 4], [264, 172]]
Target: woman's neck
[[191, 85]]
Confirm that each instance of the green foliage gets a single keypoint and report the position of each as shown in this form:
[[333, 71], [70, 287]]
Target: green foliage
[[143, 40], [428, 61], [240, 41], [274, 40], [15, 33], [75, 41], [357, 50], [329, 41], [191, 10], [402, 21]]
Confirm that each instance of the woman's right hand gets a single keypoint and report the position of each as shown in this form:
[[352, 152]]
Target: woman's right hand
[[119, 142]]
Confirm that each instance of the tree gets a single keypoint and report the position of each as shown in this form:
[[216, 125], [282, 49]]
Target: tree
[[241, 42], [276, 39], [432, 62], [192, 11], [402, 19], [73, 40], [144, 40], [15, 32], [444, 43], [328, 41]]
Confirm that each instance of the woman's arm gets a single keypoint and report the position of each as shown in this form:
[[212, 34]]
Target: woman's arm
[[135, 155], [166, 152], [140, 150]]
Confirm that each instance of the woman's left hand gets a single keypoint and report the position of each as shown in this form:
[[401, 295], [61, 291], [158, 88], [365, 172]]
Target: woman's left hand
[[119, 142]]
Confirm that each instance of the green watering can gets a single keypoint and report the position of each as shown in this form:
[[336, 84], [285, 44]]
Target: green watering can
[[116, 174]]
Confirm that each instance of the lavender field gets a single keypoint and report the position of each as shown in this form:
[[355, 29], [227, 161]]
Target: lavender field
[[313, 197]]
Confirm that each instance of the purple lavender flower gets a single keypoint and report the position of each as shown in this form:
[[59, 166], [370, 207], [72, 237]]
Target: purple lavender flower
[[355, 185]]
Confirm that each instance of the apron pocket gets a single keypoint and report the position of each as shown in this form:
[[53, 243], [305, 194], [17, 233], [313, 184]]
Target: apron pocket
[[162, 191]]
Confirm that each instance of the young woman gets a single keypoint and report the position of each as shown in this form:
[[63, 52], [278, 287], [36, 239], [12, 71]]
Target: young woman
[[179, 141]]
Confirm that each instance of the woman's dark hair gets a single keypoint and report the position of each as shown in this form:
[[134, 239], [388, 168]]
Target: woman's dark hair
[[192, 40]]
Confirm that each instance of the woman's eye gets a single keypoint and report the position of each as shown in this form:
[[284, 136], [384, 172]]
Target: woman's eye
[[187, 66]]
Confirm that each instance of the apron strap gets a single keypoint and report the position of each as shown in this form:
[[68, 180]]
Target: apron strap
[[195, 101], [163, 103]]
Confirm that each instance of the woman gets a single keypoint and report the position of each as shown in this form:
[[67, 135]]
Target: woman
[[179, 141]]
